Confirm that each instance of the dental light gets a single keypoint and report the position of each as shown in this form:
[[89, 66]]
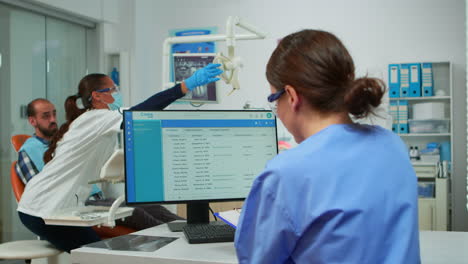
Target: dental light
[[230, 64]]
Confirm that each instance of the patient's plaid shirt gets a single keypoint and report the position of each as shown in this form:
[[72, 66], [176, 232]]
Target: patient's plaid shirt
[[25, 167]]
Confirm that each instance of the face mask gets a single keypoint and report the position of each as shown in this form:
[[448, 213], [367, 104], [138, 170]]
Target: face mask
[[118, 102]]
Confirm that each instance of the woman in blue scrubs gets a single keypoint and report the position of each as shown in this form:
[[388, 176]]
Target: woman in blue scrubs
[[347, 193]]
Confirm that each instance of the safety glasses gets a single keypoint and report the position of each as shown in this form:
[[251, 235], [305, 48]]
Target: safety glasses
[[273, 100], [105, 90]]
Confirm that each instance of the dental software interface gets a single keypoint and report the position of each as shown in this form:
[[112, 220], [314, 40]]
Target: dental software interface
[[173, 156]]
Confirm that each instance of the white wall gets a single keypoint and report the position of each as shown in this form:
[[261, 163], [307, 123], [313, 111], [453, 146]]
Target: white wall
[[375, 32]]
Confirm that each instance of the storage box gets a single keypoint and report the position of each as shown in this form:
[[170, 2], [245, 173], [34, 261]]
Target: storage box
[[423, 171], [430, 158], [426, 189], [429, 126], [428, 110]]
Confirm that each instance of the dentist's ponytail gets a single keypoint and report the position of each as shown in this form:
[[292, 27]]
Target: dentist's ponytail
[[88, 84]]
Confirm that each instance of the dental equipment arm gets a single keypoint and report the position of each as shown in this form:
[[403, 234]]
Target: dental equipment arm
[[230, 64], [113, 209]]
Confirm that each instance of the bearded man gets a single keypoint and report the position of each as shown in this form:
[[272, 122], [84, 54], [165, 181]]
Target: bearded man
[[42, 116]]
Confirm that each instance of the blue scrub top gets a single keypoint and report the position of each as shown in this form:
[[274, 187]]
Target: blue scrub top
[[347, 194]]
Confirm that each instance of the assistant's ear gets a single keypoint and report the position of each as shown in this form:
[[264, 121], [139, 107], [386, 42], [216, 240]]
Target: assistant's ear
[[96, 96], [294, 99]]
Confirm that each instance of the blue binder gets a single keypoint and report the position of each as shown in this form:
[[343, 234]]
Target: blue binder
[[394, 80], [404, 80], [415, 80], [403, 117], [427, 80], [394, 115]]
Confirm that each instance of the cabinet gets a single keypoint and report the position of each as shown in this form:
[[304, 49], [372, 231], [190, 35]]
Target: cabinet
[[429, 120], [434, 210]]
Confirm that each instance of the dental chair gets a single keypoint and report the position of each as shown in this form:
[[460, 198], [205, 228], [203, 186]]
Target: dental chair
[[32, 249], [25, 249], [18, 188]]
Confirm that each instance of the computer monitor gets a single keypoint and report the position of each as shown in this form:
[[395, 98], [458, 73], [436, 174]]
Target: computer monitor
[[195, 157]]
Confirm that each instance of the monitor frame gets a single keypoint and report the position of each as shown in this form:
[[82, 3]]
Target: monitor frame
[[197, 210]]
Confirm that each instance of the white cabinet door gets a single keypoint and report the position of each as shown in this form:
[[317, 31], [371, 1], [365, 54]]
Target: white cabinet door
[[426, 207], [442, 205]]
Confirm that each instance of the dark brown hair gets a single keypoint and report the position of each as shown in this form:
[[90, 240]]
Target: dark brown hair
[[31, 108], [87, 85], [321, 69]]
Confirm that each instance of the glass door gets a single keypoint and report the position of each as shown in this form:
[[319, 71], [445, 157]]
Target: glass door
[[22, 78], [40, 57], [66, 61]]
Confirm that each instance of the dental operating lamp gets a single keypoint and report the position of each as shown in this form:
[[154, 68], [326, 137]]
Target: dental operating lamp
[[230, 63]]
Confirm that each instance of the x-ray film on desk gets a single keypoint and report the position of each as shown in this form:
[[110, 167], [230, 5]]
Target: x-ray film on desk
[[133, 243]]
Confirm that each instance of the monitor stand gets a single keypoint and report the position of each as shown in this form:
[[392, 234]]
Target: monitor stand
[[197, 213]]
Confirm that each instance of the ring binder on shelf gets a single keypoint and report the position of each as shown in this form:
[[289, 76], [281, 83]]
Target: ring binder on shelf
[[403, 117], [394, 115], [394, 80], [404, 80], [415, 80], [427, 80]]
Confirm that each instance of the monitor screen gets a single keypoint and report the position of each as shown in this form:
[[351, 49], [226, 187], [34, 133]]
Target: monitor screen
[[195, 156]]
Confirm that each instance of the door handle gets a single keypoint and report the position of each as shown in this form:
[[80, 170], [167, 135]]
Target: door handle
[[48, 66], [0, 60]]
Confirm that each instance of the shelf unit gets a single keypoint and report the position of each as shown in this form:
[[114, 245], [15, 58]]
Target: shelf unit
[[120, 60], [434, 212]]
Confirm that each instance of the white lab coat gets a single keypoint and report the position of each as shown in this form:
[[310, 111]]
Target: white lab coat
[[79, 156]]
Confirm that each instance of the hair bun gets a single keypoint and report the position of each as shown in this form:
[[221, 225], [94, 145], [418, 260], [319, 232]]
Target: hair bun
[[365, 95]]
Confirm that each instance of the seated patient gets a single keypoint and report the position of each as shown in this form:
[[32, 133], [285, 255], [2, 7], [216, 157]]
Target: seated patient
[[42, 116]]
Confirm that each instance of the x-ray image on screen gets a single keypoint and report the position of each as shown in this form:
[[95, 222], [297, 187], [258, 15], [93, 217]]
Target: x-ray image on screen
[[185, 64]]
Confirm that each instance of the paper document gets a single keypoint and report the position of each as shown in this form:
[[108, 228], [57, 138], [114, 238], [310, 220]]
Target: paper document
[[230, 217]]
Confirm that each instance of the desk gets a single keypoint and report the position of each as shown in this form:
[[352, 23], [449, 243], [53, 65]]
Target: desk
[[437, 247], [178, 251], [443, 247]]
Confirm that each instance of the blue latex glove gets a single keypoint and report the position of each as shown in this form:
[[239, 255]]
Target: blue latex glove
[[203, 76]]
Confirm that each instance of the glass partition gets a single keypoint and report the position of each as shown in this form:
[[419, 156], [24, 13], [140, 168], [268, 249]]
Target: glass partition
[[39, 57], [66, 61]]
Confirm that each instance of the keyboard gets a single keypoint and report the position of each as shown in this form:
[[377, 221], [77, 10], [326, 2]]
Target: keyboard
[[208, 233]]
